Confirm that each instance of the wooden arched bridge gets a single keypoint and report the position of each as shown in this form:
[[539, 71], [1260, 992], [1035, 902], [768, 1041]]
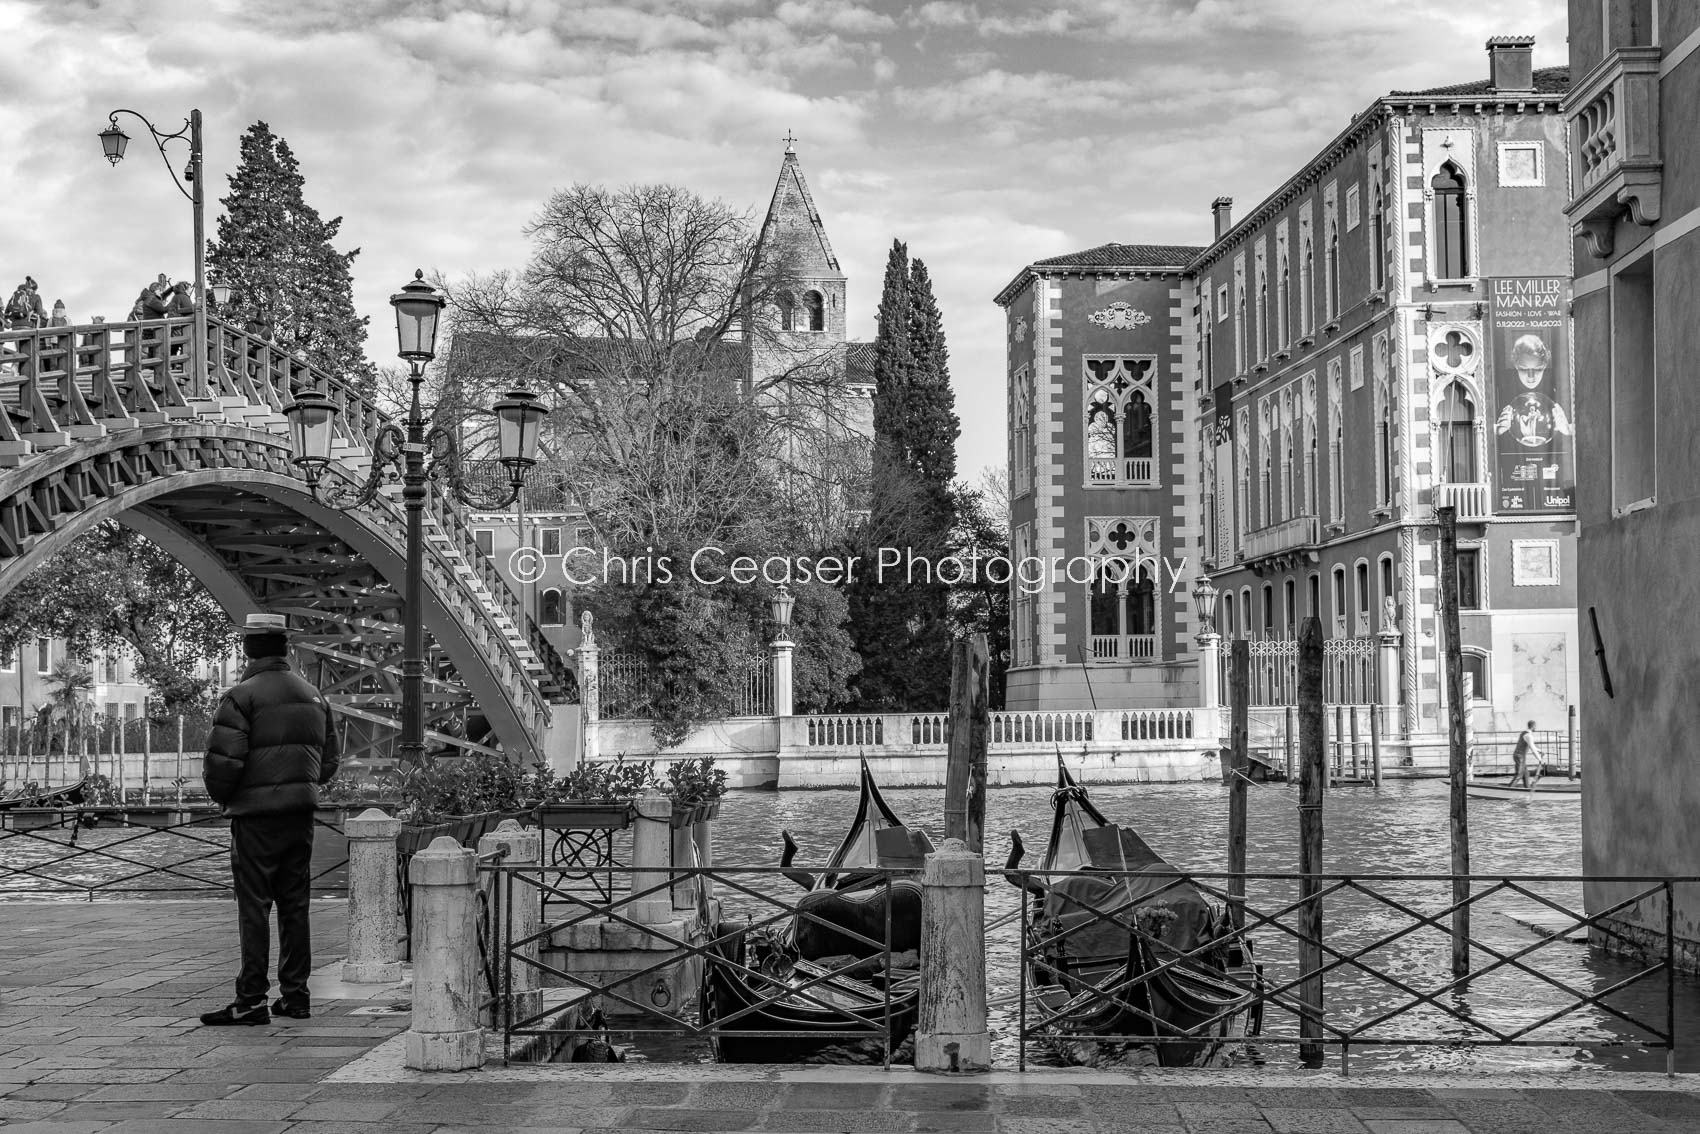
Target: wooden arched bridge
[[109, 421]]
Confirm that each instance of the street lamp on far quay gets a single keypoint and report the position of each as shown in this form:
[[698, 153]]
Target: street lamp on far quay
[[420, 452], [113, 142]]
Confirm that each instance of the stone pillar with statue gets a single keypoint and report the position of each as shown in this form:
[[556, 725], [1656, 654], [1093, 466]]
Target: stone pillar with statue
[[1387, 668]]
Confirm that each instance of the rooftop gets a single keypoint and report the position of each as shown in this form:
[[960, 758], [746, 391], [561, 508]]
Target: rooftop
[[1548, 81], [1125, 256]]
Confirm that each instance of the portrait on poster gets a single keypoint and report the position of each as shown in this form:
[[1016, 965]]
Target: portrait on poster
[[1534, 436]]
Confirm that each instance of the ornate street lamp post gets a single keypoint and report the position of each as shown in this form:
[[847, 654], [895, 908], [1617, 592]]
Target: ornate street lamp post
[[113, 142], [420, 452], [1209, 644], [779, 606]]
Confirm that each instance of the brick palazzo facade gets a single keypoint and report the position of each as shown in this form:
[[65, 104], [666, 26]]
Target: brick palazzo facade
[[1284, 408]]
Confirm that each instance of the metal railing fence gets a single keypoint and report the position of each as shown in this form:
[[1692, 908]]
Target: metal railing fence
[[137, 851], [1363, 988], [695, 935]]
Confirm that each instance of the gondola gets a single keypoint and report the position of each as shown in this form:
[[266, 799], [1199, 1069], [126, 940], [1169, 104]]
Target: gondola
[[1106, 978], [1541, 791], [68, 796], [840, 923]]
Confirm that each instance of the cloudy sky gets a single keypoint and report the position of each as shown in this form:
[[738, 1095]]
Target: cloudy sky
[[985, 133]]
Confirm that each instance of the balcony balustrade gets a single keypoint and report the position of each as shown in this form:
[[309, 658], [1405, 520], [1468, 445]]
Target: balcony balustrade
[[1287, 537], [1614, 145], [1473, 502], [1134, 471], [1113, 649]]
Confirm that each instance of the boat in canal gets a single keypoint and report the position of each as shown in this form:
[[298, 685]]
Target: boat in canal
[[1542, 791], [1157, 975], [843, 969], [71, 795]]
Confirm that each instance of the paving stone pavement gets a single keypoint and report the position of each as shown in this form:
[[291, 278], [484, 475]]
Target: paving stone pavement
[[98, 1032]]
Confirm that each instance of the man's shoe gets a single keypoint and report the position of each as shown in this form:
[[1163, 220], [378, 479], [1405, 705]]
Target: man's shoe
[[237, 1014], [293, 1011]]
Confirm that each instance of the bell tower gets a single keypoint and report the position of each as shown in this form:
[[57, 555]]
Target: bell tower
[[815, 314]]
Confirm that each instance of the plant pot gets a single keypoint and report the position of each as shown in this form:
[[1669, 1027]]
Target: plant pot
[[464, 829], [586, 815], [688, 815]]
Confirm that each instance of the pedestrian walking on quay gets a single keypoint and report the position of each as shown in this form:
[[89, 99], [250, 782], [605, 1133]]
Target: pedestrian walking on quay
[[272, 744]]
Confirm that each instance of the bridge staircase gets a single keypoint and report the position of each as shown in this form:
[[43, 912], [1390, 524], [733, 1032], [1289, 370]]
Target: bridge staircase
[[93, 414]]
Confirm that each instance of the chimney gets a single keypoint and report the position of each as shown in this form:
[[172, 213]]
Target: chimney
[[1511, 64], [1222, 208]]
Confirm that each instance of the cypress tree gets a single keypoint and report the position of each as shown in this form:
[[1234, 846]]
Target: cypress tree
[[275, 252], [901, 622]]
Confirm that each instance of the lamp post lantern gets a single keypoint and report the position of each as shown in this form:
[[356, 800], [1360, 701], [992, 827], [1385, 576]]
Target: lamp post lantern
[[779, 606], [1209, 644], [113, 142], [422, 453]]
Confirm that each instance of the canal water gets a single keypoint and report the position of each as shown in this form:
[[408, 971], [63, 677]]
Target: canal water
[[1399, 831]]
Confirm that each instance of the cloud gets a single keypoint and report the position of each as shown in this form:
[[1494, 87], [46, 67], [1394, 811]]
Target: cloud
[[987, 134]]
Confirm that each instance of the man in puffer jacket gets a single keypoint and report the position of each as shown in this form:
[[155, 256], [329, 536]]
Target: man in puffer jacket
[[272, 745]]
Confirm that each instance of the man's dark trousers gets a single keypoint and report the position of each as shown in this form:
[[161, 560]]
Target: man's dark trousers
[[271, 858]]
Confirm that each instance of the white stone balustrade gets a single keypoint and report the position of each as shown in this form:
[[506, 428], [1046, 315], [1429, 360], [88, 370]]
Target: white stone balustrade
[[443, 1033], [372, 899]]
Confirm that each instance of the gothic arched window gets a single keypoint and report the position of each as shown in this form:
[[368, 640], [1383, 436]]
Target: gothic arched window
[[1451, 229], [1456, 422], [816, 307], [787, 311], [1333, 271], [1120, 431], [549, 608], [1377, 241]]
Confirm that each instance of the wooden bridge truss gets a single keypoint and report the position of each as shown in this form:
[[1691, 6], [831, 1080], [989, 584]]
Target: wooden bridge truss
[[102, 421]]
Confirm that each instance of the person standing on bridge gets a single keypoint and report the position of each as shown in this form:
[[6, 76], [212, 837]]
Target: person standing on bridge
[[272, 744]]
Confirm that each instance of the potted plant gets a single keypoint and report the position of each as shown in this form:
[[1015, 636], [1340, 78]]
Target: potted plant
[[695, 786], [462, 797], [592, 796]]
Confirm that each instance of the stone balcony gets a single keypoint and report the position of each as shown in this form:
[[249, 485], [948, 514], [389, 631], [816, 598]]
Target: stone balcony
[[1288, 541], [1472, 503], [1135, 472], [1614, 145]]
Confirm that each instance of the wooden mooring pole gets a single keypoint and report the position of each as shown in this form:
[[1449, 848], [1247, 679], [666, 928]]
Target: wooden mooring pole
[[1313, 779], [1375, 744], [1459, 742], [1239, 765], [970, 719], [1287, 742], [1570, 743]]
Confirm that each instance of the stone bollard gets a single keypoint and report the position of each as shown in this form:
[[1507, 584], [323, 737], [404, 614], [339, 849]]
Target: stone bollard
[[522, 920], [443, 1034], [372, 899], [652, 845], [950, 1035]]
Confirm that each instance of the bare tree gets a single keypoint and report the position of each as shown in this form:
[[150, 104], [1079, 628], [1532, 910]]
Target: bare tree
[[680, 408]]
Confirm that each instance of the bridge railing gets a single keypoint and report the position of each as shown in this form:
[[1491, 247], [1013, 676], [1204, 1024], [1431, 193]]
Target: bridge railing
[[84, 379]]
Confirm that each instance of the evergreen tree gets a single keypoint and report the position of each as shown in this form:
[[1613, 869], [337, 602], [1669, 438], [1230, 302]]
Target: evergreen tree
[[901, 620], [275, 252]]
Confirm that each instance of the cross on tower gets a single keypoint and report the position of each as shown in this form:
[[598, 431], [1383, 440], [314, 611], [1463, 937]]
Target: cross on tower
[[790, 142]]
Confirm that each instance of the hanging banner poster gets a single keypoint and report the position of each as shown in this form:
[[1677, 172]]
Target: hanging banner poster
[[1534, 439]]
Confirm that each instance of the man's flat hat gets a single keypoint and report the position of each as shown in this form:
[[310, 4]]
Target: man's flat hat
[[265, 623]]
